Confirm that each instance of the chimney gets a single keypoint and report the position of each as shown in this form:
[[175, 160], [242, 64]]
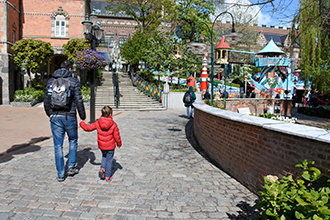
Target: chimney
[[263, 25], [272, 26]]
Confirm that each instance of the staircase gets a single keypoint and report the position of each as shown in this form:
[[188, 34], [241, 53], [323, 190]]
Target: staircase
[[131, 99]]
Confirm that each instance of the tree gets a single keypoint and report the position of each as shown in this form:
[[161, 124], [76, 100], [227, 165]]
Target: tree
[[147, 13], [35, 53], [313, 25], [189, 13], [73, 47]]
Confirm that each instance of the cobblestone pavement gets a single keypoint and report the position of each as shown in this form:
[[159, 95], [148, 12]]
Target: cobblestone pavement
[[158, 174]]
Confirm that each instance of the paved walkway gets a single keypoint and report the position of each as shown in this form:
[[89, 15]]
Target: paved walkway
[[159, 174]]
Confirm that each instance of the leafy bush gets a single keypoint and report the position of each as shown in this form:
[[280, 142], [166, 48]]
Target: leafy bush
[[307, 197], [266, 115], [29, 95], [85, 93]]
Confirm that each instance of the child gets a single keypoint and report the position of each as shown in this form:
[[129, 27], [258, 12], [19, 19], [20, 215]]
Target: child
[[107, 138]]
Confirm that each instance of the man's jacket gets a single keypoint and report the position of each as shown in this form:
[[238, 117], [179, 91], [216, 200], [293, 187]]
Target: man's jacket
[[77, 101]]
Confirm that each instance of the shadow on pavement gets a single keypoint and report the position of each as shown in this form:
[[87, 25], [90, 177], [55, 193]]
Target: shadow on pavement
[[18, 149], [86, 154], [247, 212]]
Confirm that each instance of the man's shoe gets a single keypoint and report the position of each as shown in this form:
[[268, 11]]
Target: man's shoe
[[101, 174], [60, 179], [108, 179], [72, 171]]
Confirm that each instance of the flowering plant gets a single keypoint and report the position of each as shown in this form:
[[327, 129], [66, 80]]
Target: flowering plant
[[90, 59], [306, 197]]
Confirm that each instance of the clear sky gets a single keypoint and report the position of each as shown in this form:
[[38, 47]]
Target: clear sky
[[280, 13]]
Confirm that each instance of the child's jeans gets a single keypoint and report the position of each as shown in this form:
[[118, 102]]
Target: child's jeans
[[107, 157]]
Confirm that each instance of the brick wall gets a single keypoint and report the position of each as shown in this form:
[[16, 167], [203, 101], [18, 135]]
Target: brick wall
[[38, 23], [248, 147]]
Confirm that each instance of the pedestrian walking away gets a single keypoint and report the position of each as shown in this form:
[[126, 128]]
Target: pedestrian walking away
[[108, 137], [188, 100], [62, 98]]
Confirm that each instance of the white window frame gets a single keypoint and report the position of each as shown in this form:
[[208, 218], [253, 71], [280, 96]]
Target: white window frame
[[60, 24]]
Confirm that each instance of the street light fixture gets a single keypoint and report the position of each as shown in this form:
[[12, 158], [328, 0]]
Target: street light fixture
[[93, 34], [233, 35]]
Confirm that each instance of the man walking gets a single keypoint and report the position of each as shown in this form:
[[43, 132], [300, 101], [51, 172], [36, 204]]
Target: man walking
[[188, 100], [62, 114]]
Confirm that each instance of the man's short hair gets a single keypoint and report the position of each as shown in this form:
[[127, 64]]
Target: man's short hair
[[66, 64], [106, 111]]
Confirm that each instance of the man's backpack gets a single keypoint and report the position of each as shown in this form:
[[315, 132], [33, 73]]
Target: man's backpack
[[187, 97], [61, 95]]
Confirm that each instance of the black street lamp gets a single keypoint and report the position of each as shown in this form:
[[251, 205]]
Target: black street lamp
[[232, 35], [93, 34]]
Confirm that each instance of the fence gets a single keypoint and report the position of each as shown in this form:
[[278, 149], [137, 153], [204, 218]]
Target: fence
[[149, 89]]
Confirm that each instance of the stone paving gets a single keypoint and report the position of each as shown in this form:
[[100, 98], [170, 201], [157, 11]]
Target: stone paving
[[159, 173]]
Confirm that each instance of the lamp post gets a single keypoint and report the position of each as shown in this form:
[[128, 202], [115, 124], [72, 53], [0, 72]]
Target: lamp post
[[234, 34], [93, 34]]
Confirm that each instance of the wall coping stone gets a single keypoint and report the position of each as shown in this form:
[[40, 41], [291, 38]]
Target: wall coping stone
[[304, 131]]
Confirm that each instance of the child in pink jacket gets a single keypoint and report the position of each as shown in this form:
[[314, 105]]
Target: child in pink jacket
[[107, 138]]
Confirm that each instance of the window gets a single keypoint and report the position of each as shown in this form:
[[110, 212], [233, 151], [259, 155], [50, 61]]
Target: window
[[108, 40], [59, 28], [60, 23], [122, 40], [296, 55], [14, 34]]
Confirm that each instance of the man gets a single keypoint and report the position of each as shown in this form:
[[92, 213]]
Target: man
[[188, 100], [64, 120]]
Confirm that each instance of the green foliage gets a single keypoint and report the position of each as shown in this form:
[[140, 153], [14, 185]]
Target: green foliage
[[185, 89], [318, 112], [36, 53], [29, 95], [73, 47], [266, 115], [189, 13], [85, 92], [313, 25], [148, 14], [306, 197]]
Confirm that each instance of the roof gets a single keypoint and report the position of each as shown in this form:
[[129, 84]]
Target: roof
[[223, 44], [271, 48]]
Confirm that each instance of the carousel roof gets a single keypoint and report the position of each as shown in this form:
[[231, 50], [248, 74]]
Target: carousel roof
[[271, 48]]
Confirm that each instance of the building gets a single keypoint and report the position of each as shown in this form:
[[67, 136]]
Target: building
[[54, 21]]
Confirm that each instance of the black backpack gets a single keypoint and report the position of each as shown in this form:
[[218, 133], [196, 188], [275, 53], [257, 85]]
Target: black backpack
[[187, 97], [61, 94]]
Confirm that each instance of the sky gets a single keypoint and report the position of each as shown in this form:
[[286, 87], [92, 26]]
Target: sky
[[280, 13]]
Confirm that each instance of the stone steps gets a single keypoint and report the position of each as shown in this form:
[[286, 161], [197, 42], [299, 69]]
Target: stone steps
[[131, 99]]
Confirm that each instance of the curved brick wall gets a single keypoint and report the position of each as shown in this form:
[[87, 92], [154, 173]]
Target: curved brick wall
[[248, 147]]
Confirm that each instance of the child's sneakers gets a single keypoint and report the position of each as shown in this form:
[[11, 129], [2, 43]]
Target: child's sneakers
[[101, 174], [108, 179]]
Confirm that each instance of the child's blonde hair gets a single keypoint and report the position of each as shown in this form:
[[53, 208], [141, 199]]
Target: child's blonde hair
[[106, 111]]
